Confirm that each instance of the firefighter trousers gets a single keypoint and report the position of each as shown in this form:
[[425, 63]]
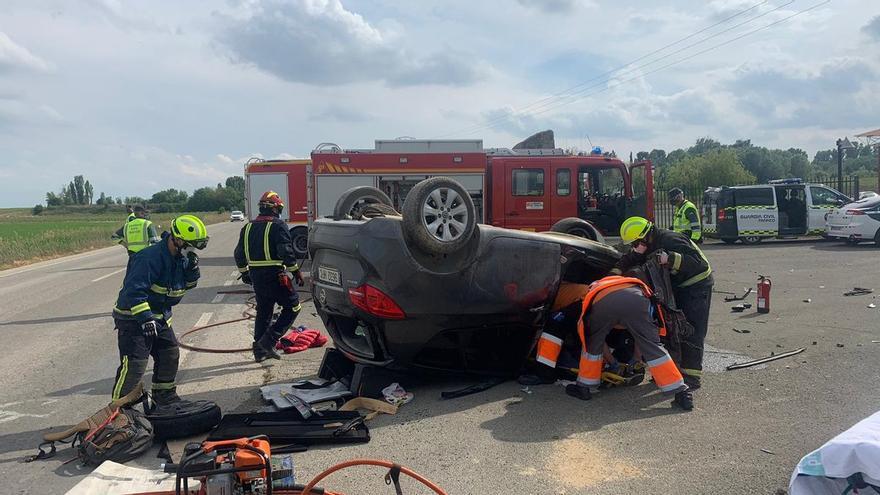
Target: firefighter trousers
[[135, 350], [630, 308], [694, 302], [269, 292]]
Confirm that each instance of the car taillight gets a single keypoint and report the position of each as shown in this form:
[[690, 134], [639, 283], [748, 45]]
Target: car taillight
[[375, 302], [720, 215], [855, 212]]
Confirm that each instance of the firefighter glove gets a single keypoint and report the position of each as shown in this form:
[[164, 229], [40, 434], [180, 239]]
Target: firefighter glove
[[246, 278], [662, 257], [150, 329], [193, 260]]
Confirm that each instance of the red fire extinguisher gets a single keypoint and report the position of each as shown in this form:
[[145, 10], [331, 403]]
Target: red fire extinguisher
[[764, 285]]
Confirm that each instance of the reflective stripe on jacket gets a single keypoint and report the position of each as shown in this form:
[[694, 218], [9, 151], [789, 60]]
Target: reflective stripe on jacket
[[265, 242], [138, 234], [687, 221]]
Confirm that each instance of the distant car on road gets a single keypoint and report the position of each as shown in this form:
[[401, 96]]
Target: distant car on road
[[236, 216], [432, 288], [855, 222]]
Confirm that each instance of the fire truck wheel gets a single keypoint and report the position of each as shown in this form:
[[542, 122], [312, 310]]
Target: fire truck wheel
[[439, 216], [300, 237], [349, 204], [576, 226]]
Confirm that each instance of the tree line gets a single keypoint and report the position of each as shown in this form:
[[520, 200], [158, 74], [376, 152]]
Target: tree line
[[710, 163], [226, 196]]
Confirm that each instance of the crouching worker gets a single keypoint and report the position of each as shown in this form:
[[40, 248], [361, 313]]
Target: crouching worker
[[560, 328], [156, 280], [624, 301]]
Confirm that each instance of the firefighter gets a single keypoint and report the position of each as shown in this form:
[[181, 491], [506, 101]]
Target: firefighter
[[616, 301], [687, 218], [138, 232], [691, 277], [264, 256], [156, 280]]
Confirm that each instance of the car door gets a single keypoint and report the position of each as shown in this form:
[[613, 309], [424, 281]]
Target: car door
[[527, 205], [822, 200]]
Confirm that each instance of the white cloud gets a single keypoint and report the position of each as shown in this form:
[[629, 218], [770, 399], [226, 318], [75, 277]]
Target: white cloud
[[552, 6], [15, 57], [872, 28]]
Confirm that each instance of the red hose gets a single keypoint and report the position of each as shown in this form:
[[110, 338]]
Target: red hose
[[370, 462]]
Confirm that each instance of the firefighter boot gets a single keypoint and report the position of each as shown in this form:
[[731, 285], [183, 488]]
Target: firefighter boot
[[261, 353], [163, 397], [578, 391], [684, 400]]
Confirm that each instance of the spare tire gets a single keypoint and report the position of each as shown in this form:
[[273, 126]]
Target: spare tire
[[183, 419], [351, 202], [439, 216], [576, 226]]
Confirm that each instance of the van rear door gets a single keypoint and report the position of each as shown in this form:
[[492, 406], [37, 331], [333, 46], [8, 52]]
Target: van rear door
[[756, 212]]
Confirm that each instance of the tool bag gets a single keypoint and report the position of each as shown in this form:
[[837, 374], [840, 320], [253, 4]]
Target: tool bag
[[115, 432]]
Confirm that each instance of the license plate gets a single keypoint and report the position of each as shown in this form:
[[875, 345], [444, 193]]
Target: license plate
[[833, 227], [329, 275]]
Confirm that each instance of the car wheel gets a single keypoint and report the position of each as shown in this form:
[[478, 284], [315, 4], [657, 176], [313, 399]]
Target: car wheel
[[439, 216], [576, 226], [877, 238], [751, 239], [300, 240], [728, 240], [851, 241], [351, 202]]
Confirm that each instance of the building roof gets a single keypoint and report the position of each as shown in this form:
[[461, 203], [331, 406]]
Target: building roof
[[874, 133]]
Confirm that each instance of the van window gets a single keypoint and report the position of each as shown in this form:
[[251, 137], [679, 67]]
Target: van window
[[825, 197], [563, 182], [754, 196], [528, 182]]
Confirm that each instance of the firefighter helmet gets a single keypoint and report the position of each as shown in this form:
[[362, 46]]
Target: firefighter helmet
[[634, 228], [190, 229], [271, 199]]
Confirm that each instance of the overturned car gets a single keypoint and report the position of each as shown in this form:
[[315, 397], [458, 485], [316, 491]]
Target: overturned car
[[432, 288]]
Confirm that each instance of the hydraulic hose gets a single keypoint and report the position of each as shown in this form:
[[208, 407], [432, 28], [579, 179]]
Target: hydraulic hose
[[307, 490], [248, 314]]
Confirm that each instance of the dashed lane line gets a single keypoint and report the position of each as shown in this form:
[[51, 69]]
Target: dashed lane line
[[108, 275]]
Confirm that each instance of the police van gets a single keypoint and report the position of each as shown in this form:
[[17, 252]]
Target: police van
[[783, 208]]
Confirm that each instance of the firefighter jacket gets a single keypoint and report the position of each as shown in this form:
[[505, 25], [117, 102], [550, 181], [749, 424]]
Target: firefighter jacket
[[155, 281], [687, 264], [687, 221], [265, 243]]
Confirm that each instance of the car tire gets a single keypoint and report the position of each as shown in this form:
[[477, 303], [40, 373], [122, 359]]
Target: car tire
[[577, 227], [751, 239], [299, 237], [439, 216], [877, 238], [172, 421], [728, 240], [349, 204]]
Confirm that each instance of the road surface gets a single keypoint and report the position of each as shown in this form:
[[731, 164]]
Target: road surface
[[59, 355]]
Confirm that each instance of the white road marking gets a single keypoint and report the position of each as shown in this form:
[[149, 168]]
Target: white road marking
[[217, 298], [203, 320], [228, 283], [16, 271], [6, 416], [234, 274], [108, 275]]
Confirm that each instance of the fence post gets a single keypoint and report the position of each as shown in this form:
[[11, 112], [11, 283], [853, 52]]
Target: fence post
[[856, 187]]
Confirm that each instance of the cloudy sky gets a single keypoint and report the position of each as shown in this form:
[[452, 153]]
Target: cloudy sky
[[142, 96]]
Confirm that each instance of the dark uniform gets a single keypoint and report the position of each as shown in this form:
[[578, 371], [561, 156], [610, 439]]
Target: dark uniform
[[155, 282], [265, 253], [692, 287]]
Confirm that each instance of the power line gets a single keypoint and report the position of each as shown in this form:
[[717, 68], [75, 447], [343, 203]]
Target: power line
[[602, 75]]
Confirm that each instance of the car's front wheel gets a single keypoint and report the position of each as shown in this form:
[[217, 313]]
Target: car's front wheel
[[439, 216]]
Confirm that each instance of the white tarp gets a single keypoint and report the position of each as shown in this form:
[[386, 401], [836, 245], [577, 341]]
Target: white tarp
[[856, 450], [111, 478]]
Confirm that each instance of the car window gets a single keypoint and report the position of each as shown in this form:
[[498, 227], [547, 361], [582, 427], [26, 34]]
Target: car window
[[825, 196], [754, 196], [528, 182], [563, 182]]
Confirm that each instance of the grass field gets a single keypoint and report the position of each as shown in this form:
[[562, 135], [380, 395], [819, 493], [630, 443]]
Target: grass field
[[26, 238]]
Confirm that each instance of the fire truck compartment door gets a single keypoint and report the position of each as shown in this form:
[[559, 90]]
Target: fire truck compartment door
[[260, 183], [330, 187]]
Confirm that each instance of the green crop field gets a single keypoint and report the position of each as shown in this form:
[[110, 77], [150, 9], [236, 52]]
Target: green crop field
[[26, 238]]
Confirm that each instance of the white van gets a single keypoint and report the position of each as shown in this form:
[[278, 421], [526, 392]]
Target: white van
[[784, 208]]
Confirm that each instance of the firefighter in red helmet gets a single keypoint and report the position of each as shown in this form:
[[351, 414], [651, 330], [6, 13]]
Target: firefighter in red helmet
[[264, 256]]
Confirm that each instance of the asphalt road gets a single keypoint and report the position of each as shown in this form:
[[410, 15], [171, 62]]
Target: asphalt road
[[60, 354]]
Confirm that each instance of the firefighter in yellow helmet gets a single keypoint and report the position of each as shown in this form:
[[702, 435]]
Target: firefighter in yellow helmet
[[691, 277], [264, 256], [156, 280]]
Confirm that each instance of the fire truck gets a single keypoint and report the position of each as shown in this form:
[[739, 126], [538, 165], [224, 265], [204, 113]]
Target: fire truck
[[533, 190]]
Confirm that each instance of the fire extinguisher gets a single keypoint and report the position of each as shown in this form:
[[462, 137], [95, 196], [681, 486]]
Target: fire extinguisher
[[764, 285]]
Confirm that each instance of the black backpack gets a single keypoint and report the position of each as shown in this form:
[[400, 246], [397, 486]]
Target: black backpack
[[124, 436]]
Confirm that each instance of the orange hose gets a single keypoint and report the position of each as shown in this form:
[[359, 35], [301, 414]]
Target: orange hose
[[370, 462]]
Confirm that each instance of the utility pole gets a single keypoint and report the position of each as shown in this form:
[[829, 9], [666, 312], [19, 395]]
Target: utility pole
[[842, 144]]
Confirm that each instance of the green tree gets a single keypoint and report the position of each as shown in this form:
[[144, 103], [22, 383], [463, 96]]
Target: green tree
[[714, 168], [53, 199], [236, 183], [89, 193], [170, 196]]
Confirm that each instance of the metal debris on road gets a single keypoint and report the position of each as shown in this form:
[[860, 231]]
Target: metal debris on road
[[738, 298], [768, 452], [872, 305], [772, 357], [739, 308], [808, 300], [858, 291], [741, 331], [839, 345]]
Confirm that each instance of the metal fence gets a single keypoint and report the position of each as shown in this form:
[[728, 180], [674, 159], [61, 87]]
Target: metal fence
[[663, 211]]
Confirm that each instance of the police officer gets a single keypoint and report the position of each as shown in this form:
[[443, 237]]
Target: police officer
[[264, 256], [686, 219], [138, 232], [156, 280], [692, 282]]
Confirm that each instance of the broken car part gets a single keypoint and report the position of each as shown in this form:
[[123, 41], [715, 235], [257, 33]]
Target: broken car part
[[736, 366]]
